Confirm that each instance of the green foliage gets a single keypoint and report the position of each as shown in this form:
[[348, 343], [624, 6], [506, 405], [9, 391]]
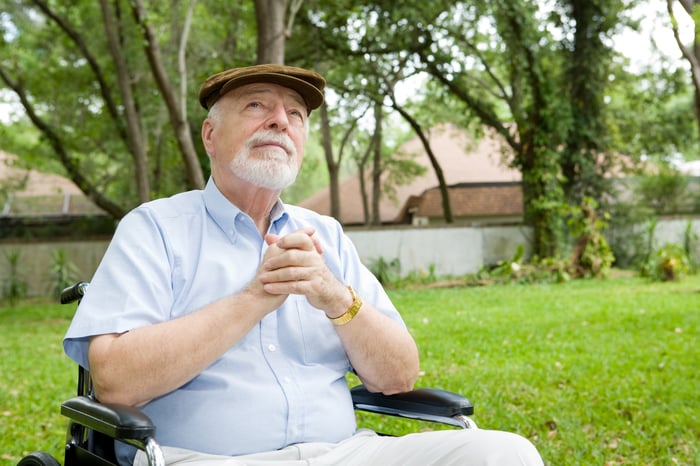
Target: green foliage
[[668, 263], [542, 75], [83, 112], [671, 261], [386, 271], [418, 277], [517, 270], [592, 256], [665, 191], [508, 268], [389, 274], [400, 170], [627, 236], [652, 111], [690, 239], [63, 272], [14, 287]]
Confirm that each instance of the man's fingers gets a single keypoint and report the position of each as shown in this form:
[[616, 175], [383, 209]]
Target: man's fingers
[[271, 239], [304, 238]]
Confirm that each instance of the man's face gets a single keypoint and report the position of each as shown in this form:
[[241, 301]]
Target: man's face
[[257, 133]]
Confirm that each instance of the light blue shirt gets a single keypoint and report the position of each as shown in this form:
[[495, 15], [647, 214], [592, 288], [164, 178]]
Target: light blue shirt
[[284, 382]]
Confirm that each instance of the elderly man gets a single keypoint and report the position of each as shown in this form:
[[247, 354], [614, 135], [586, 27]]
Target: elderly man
[[232, 319]]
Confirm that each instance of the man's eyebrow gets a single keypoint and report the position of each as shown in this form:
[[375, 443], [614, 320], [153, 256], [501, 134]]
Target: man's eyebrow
[[250, 92]]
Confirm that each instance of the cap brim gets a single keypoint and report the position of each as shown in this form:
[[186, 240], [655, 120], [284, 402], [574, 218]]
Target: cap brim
[[311, 95], [308, 84]]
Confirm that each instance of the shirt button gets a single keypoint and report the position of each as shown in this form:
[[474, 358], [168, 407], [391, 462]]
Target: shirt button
[[272, 347], [287, 380]]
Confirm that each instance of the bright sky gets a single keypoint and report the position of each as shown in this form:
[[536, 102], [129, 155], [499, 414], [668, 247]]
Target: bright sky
[[656, 27]]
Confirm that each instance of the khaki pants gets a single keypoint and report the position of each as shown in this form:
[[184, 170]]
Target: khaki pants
[[441, 448]]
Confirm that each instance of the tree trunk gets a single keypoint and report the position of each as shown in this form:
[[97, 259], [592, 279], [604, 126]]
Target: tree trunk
[[176, 111], [333, 166], [444, 191], [376, 218], [135, 138], [693, 57], [271, 30], [363, 185]]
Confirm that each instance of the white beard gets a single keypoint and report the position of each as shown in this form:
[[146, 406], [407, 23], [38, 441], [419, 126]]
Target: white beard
[[274, 170]]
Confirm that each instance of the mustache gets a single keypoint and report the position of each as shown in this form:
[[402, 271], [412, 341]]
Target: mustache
[[272, 137]]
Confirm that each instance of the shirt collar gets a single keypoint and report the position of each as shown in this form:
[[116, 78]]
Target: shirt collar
[[224, 212]]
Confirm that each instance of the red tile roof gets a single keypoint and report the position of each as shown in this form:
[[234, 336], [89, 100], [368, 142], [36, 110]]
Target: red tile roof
[[462, 161], [473, 200], [31, 192]]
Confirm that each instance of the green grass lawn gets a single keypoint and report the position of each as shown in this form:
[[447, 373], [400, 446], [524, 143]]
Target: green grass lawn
[[594, 372]]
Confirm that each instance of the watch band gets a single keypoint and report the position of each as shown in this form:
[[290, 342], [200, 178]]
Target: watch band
[[351, 312]]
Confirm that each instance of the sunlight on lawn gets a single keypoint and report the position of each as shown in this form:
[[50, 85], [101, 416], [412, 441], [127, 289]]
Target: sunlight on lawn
[[594, 372]]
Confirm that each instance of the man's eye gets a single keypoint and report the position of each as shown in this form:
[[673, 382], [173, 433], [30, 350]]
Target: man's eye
[[254, 105]]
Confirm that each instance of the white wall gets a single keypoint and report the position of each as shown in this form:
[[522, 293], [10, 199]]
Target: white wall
[[451, 250]]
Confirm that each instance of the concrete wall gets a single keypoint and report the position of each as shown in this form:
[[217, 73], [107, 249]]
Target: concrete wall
[[450, 250], [36, 261]]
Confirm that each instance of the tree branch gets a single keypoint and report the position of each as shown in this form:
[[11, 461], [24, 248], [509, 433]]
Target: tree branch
[[54, 140], [92, 63], [180, 125], [687, 54]]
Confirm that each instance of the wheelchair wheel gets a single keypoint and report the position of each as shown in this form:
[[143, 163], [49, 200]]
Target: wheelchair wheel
[[38, 458]]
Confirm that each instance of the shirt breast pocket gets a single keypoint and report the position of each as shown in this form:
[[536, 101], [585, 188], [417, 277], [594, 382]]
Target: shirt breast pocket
[[319, 343]]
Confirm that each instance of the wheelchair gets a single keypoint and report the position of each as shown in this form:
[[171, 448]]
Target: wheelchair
[[93, 427]]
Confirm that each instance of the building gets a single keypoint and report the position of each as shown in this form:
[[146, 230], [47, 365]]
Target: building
[[31, 193], [483, 188]]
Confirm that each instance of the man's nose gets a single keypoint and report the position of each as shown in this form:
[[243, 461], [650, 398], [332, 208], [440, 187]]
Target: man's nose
[[278, 118]]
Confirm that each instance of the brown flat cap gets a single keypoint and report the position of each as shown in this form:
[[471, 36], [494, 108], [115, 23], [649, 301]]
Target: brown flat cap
[[308, 84]]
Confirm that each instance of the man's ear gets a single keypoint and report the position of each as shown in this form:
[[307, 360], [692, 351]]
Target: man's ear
[[207, 130]]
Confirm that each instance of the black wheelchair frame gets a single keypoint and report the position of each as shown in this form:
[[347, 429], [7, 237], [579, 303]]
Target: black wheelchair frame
[[93, 426]]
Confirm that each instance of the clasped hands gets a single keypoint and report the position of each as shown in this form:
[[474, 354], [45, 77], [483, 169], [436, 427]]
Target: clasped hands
[[294, 264]]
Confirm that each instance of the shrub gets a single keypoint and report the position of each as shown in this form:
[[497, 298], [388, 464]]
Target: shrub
[[63, 272], [689, 240], [516, 270], [14, 288], [387, 272], [668, 263], [592, 255]]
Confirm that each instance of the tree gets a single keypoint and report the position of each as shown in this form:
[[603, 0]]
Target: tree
[[691, 52], [365, 65], [176, 104], [533, 72], [275, 25], [508, 72], [120, 124], [333, 163], [106, 105], [587, 67], [509, 88]]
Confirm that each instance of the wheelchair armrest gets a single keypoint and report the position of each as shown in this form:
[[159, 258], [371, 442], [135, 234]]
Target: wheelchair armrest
[[117, 421], [74, 292], [429, 404]]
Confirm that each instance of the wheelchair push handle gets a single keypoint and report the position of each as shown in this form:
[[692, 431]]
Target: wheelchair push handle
[[74, 292]]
